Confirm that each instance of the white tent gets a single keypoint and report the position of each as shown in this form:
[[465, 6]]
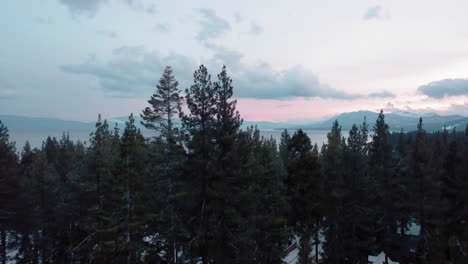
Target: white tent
[[380, 259]]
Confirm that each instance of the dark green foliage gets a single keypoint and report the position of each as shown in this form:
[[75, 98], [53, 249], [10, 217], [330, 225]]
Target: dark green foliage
[[420, 171], [356, 196], [304, 191], [166, 156], [200, 170], [382, 172], [226, 169], [334, 192], [208, 192], [165, 105], [8, 188]]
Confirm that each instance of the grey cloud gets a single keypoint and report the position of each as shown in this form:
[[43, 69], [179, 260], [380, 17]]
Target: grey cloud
[[447, 87], [373, 12], [8, 87], [44, 20], [390, 107], [151, 10], [83, 7], [212, 26], [163, 28], [107, 33], [255, 28], [262, 82], [133, 72], [461, 109], [238, 17], [221, 55], [6, 92], [141, 6], [453, 109], [384, 94], [90, 8]]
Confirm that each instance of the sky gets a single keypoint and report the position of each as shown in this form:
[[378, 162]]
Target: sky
[[293, 60]]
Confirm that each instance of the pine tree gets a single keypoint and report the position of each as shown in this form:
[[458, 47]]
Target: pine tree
[[260, 201], [132, 215], [283, 150], [332, 157], [165, 106], [382, 174], [454, 185], [419, 171], [305, 247], [200, 125], [26, 223], [403, 201], [8, 188], [227, 125], [45, 190], [304, 192], [97, 189], [271, 205], [101, 157], [117, 236], [356, 223]]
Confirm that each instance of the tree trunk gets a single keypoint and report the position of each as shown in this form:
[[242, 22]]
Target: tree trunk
[[4, 247], [36, 248], [317, 242], [43, 247], [128, 238]]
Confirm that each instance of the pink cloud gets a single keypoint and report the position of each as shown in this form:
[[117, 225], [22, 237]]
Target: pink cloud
[[301, 109]]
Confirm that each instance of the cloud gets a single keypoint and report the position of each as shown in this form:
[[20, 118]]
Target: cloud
[[107, 33], [255, 29], [447, 87], [373, 12], [7, 94], [221, 55], [44, 20], [151, 10], [140, 5], [458, 109], [262, 82], [238, 17], [212, 26], [88, 8], [384, 94], [162, 28], [133, 72]]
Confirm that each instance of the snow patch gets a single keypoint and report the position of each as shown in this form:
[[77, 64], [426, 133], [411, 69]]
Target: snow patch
[[380, 259]]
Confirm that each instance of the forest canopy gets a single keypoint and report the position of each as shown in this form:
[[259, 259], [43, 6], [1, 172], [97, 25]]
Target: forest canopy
[[207, 191]]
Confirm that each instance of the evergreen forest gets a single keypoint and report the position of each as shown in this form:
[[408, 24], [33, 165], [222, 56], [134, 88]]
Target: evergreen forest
[[203, 190]]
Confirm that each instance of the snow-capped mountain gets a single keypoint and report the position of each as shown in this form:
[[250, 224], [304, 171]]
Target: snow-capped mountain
[[396, 120]]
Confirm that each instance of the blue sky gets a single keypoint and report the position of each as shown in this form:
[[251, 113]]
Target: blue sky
[[290, 60]]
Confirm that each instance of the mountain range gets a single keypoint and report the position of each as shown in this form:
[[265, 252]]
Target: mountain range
[[396, 121]]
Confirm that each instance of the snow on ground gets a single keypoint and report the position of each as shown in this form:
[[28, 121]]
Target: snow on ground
[[380, 259], [413, 229], [292, 257]]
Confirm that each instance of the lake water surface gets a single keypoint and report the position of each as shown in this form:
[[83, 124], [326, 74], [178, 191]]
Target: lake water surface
[[37, 137]]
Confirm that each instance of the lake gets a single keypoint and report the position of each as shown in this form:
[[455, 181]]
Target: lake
[[36, 138]]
